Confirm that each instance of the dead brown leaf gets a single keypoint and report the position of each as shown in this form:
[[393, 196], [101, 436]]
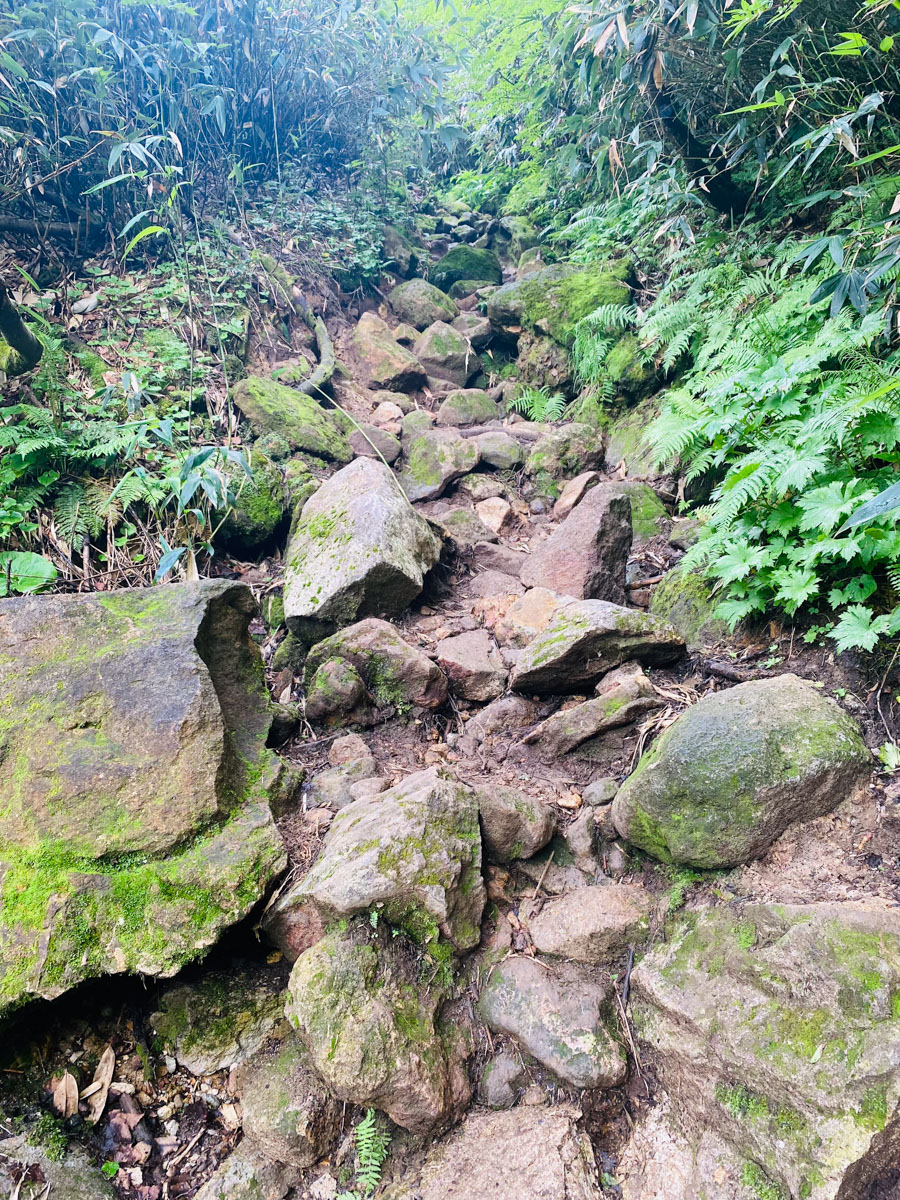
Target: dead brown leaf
[[65, 1096], [103, 1076]]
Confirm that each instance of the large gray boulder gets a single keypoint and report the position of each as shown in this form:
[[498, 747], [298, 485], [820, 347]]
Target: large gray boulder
[[736, 769], [524, 1154], [552, 301], [593, 924], [556, 1016], [585, 556], [776, 1027], [374, 1030], [419, 303], [585, 639], [358, 550], [135, 824], [412, 853]]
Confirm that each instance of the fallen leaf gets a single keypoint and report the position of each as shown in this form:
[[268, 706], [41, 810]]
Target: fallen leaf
[[65, 1096], [817, 1054], [103, 1076], [86, 304]]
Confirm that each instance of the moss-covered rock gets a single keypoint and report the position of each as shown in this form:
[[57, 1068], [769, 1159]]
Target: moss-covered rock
[[516, 235], [466, 262], [566, 451], [468, 287], [554, 300], [445, 353], [288, 1115], [433, 460], [420, 303], [543, 363], [627, 368], [467, 406], [219, 1021], [134, 824], [624, 433], [776, 1026], [253, 525], [648, 513], [736, 769], [272, 408], [557, 1017], [358, 548], [413, 853], [399, 252], [395, 674], [374, 1032], [683, 599]]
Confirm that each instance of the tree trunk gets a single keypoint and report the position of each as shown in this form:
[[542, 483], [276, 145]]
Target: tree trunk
[[23, 349]]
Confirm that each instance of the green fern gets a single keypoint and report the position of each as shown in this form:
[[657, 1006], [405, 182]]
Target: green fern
[[537, 404]]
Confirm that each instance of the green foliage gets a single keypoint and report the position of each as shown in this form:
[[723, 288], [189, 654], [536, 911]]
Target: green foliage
[[538, 404], [117, 102], [789, 420], [373, 1142]]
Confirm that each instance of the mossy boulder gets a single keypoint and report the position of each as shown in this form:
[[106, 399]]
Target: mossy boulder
[[777, 1027], [419, 303], [468, 287], [552, 301], [358, 549], [497, 449], [445, 353], [260, 508], [374, 1029], [221, 1020], [683, 598], [736, 769], [466, 262], [32, 1172], [135, 822], [271, 407], [513, 824], [467, 406], [288, 1114], [648, 513], [624, 432], [396, 675], [543, 363], [385, 363], [566, 451], [413, 853], [516, 234], [399, 252], [434, 459], [628, 369], [475, 328]]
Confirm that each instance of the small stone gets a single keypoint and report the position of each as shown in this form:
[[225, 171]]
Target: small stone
[[600, 792], [493, 583], [467, 406], [365, 789], [463, 527], [506, 715], [537, 506], [475, 328], [500, 558], [500, 451], [473, 666], [573, 492], [387, 413], [496, 513], [482, 487], [527, 616], [406, 335], [370, 442], [501, 1080]]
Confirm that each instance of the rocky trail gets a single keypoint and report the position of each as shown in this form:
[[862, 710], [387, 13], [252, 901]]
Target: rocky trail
[[500, 835]]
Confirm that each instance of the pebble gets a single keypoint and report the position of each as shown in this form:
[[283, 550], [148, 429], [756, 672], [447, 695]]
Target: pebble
[[537, 506]]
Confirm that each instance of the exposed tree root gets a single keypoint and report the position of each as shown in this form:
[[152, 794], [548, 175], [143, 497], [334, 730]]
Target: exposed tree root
[[23, 349]]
